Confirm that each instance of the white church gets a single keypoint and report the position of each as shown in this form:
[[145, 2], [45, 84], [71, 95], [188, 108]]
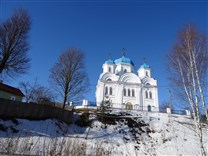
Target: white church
[[125, 89]]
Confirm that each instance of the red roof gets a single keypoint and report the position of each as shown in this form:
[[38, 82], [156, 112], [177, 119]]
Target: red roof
[[11, 89]]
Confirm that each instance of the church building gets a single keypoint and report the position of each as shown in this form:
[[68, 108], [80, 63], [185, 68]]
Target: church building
[[125, 89]]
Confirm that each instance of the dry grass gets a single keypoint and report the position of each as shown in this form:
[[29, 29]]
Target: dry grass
[[49, 146]]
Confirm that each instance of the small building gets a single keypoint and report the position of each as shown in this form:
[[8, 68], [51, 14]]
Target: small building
[[10, 93]]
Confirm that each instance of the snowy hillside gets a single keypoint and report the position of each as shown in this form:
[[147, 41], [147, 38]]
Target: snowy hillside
[[122, 133]]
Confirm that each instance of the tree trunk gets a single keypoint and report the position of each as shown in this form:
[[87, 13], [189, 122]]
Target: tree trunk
[[199, 86], [3, 63], [65, 93], [64, 103], [200, 135]]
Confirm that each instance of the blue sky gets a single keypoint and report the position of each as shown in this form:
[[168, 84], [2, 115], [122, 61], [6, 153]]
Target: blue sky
[[144, 28]]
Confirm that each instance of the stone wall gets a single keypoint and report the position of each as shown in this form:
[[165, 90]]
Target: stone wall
[[15, 109]]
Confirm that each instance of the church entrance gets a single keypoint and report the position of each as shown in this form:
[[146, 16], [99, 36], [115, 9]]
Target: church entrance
[[129, 105]]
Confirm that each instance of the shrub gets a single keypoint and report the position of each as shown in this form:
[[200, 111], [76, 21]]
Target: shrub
[[84, 120]]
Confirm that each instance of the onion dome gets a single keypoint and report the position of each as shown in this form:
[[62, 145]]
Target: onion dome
[[109, 61], [125, 60], [145, 66]]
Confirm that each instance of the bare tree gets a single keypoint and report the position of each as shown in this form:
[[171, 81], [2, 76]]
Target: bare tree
[[14, 44], [188, 69], [68, 75], [27, 90], [42, 95], [36, 93]]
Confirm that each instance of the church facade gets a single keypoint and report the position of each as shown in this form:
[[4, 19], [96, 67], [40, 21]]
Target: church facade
[[125, 89]]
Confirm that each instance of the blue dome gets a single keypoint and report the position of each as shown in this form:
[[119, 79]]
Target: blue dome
[[145, 66], [109, 62], [124, 59]]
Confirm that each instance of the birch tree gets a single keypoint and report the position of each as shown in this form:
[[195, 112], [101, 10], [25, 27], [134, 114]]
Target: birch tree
[[68, 75], [187, 64]]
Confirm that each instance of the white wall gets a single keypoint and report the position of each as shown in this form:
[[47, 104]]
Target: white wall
[[142, 72], [106, 68], [117, 97]]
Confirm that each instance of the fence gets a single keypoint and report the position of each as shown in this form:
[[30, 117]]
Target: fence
[[135, 107], [15, 109], [121, 106]]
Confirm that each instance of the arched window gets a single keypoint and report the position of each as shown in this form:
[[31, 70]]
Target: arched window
[[133, 93], [109, 80], [124, 91], [106, 90], [147, 73], [129, 93], [109, 69], [149, 109], [146, 95], [111, 91], [150, 95], [125, 70]]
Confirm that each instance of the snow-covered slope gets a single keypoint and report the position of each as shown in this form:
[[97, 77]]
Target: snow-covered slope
[[122, 133]]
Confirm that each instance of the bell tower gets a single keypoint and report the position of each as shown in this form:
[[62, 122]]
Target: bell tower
[[144, 70], [109, 66]]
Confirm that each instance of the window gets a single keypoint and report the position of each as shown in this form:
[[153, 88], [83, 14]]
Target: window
[[129, 93], [133, 93], [150, 95], [111, 91], [124, 91], [147, 73], [13, 98], [125, 70], [149, 109], [109, 80], [146, 95], [109, 69], [136, 106], [106, 90]]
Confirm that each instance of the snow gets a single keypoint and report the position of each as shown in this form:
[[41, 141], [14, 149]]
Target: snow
[[158, 134]]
